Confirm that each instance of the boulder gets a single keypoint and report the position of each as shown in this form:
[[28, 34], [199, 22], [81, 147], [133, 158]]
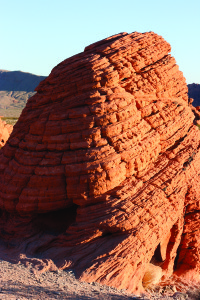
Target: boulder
[[110, 139], [5, 131]]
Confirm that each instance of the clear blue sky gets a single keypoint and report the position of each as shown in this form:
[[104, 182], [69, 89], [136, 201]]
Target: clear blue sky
[[36, 35]]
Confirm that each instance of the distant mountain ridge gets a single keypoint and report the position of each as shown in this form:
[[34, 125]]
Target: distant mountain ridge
[[194, 92], [19, 81], [16, 88]]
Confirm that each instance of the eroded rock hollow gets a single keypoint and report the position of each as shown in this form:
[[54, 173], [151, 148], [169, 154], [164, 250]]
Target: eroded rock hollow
[[109, 140]]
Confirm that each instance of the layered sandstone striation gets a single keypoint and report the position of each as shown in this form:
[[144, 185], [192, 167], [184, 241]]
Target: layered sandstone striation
[[109, 139], [5, 131]]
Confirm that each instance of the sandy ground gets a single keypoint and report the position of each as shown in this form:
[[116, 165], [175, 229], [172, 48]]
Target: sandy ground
[[21, 282], [18, 282]]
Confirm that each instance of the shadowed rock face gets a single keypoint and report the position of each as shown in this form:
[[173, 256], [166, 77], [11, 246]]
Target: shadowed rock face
[[110, 136]]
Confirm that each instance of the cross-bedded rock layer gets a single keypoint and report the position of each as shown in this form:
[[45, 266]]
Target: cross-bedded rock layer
[[110, 131]]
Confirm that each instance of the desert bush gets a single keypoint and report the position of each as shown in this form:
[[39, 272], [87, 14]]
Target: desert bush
[[152, 275]]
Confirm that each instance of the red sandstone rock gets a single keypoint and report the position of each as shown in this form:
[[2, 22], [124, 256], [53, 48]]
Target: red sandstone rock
[[111, 131], [5, 131]]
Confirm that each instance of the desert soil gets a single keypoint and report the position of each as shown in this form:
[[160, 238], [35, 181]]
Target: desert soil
[[18, 282], [22, 282]]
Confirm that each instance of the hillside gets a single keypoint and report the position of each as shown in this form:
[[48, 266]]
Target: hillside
[[194, 92], [16, 88], [18, 81]]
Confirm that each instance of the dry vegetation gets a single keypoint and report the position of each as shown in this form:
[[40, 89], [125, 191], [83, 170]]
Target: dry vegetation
[[10, 120]]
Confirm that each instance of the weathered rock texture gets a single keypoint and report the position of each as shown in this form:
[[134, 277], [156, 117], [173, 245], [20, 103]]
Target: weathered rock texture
[[110, 136], [5, 131]]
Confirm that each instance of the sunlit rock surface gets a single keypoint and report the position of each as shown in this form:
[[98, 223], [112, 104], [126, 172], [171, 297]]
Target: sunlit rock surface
[[5, 131], [109, 139]]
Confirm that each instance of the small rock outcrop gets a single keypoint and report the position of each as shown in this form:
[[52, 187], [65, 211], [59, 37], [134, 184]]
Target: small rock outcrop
[[109, 139], [5, 131]]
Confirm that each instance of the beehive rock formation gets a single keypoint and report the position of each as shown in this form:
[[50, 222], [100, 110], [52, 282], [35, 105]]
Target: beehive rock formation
[[109, 135], [5, 131]]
